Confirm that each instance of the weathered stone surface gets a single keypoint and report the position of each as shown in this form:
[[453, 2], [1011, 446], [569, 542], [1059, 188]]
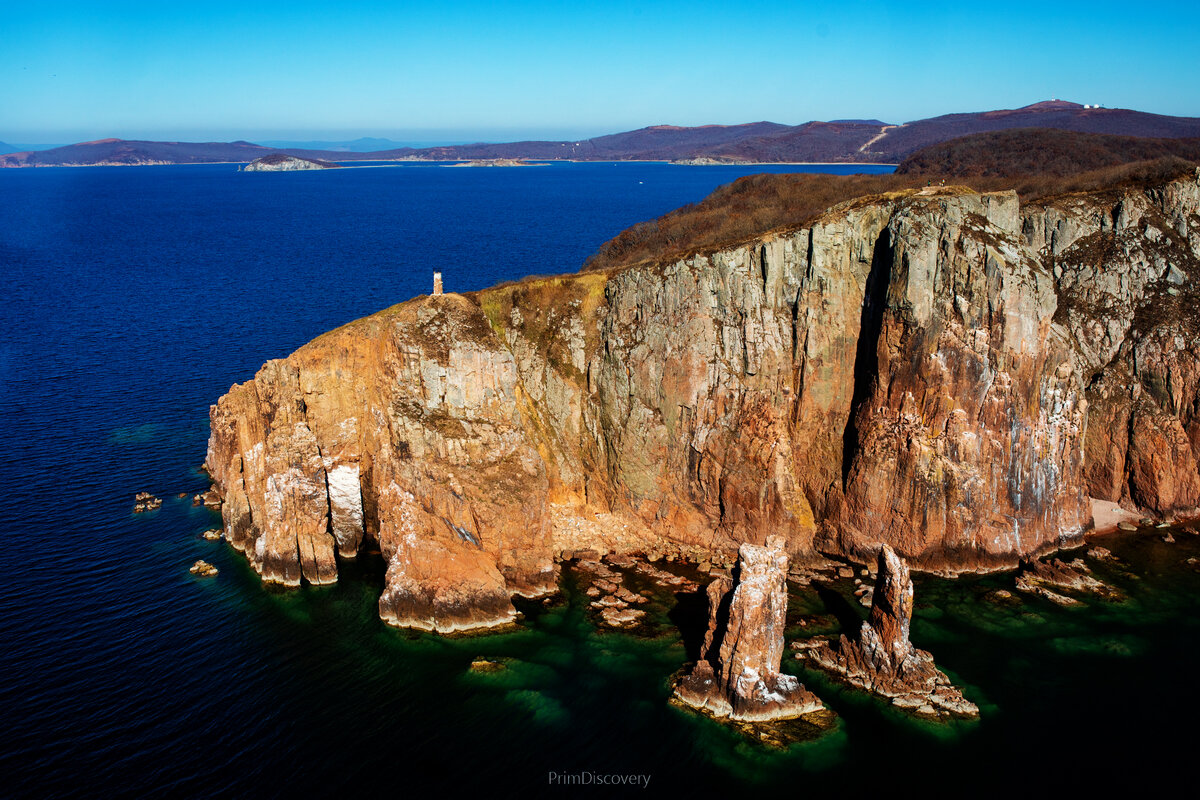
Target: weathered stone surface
[[435, 583], [738, 674], [883, 660], [144, 501], [1129, 282], [966, 443], [1049, 578], [942, 371], [203, 569]]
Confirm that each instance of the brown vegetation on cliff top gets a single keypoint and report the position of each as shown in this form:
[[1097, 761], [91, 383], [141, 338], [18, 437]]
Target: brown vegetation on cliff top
[[1040, 151], [758, 204]]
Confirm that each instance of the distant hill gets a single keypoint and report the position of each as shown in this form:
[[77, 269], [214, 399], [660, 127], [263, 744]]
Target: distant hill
[[656, 143], [755, 204], [124, 152], [812, 141], [848, 141], [18, 147], [1040, 151], [365, 144], [902, 141]]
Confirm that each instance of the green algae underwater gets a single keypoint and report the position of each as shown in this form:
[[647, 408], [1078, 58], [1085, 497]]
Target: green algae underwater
[[1081, 689]]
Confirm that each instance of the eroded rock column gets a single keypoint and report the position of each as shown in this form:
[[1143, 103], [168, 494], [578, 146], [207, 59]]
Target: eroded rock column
[[738, 674], [883, 660]]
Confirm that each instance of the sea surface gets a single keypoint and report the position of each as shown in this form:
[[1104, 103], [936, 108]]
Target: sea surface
[[134, 297]]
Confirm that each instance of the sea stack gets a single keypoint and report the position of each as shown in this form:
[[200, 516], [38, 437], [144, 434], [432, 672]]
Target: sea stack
[[883, 660], [738, 674]]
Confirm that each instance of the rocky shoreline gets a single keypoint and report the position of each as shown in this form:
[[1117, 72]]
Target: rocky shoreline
[[943, 372]]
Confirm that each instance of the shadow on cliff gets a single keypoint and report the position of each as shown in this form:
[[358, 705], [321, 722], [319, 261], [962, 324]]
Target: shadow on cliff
[[849, 618], [690, 616], [866, 357]]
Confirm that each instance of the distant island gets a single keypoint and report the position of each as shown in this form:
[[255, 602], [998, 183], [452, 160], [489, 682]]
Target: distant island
[[708, 161], [494, 162], [854, 141], [281, 162]]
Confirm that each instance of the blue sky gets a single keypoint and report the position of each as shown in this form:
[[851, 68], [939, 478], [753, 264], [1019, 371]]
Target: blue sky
[[493, 71]]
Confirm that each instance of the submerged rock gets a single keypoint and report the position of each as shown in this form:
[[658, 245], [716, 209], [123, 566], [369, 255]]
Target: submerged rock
[[620, 616], [1045, 577], [883, 660], [738, 674]]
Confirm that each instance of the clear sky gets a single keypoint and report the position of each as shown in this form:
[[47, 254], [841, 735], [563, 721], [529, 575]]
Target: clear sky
[[220, 70]]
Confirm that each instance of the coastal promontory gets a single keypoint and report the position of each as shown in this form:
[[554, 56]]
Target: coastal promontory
[[953, 373]]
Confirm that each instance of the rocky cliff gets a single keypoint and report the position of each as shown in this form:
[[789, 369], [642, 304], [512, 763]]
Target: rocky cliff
[[939, 370]]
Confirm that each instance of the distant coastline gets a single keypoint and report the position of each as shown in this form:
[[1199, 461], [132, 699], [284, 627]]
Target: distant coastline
[[812, 143], [541, 162]]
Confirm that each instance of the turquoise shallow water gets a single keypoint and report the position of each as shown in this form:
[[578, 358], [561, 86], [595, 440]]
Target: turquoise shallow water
[[135, 297]]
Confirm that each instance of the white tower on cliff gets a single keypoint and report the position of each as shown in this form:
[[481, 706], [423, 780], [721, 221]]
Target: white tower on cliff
[[437, 284]]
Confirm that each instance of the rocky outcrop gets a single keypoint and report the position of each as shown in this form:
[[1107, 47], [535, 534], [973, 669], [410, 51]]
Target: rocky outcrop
[[1049, 578], [883, 660], [738, 674], [144, 501], [413, 439], [203, 569], [938, 370]]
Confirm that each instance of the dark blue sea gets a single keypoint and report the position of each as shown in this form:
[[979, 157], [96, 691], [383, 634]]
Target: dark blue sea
[[134, 297]]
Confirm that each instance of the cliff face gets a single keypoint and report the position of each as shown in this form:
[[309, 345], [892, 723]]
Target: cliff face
[[1128, 278], [940, 370]]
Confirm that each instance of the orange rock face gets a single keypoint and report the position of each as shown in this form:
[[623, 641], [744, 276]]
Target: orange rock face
[[1129, 282], [738, 673], [925, 369], [883, 661]]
